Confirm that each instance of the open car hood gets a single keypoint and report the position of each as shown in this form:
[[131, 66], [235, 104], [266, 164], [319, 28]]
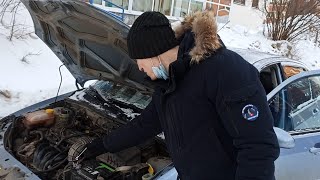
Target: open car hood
[[89, 41]]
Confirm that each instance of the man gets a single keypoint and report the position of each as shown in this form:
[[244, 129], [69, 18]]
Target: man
[[213, 112]]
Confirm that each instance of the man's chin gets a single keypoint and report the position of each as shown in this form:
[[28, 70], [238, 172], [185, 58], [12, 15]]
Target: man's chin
[[153, 78]]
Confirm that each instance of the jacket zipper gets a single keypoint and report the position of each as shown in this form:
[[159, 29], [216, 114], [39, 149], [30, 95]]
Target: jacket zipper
[[175, 130]]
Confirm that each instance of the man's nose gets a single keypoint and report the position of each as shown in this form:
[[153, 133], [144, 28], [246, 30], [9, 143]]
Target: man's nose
[[139, 67]]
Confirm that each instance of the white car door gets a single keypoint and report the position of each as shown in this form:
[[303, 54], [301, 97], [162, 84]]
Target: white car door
[[295, 106]]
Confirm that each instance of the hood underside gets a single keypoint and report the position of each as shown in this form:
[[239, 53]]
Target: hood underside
[[90, 42]]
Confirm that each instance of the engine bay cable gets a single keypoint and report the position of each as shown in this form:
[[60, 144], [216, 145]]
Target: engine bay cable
[[60, 83]]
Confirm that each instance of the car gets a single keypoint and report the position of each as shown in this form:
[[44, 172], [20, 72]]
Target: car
[[46, 140]]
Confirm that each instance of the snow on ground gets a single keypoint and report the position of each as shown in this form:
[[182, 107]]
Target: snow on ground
[[307, 52], [240, 37], [34, 78]]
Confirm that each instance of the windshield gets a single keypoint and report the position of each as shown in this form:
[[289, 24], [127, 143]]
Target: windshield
[[115, 91]]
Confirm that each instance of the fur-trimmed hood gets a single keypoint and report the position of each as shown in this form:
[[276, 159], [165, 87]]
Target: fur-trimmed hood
[[204, 27]]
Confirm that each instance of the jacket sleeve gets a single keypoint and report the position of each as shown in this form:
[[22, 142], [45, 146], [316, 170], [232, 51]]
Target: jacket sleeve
[[241, 103], [138, 130]]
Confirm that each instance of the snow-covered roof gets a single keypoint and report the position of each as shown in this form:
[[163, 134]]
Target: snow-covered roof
[[253, 56]]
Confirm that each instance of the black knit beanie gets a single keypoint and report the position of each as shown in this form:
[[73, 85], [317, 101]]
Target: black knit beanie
[[150, 35]]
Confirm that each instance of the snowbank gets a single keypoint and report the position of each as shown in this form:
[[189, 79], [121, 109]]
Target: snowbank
[[240, 37]]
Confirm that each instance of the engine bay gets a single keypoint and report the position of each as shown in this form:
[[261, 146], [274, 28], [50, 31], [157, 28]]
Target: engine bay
[[51, 150]]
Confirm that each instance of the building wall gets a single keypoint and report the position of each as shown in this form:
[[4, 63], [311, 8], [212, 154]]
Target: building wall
[[235, 11], [246, 16]]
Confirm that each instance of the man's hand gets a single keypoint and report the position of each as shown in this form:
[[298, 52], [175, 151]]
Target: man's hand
[[93, 149]]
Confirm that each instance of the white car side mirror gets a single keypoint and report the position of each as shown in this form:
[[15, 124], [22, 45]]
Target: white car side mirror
[[284, 138]]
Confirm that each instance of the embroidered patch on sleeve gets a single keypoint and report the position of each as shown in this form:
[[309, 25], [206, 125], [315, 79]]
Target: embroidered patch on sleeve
[[250, 112]]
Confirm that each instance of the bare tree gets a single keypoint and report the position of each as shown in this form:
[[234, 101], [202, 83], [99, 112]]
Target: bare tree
[[25, 57], [11, 8], [5, 93], [287, 19]]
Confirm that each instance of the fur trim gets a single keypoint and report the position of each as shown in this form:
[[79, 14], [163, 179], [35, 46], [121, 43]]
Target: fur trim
[[204, 27]]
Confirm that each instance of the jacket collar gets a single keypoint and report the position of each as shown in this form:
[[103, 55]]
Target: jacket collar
[[198, 40], [182, 65], [204, 31]]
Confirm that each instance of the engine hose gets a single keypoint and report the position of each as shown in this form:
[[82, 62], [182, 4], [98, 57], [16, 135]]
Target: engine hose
[[55, 158], [77, 148], [58, 159], [37, 158], [36, 152], [70, 136], [51, 169], [40, 146], [37, 132], [9, 140], [25, 149], [61, 149], [49, 155]]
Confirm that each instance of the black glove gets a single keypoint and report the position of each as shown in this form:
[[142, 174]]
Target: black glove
[[94, 148]]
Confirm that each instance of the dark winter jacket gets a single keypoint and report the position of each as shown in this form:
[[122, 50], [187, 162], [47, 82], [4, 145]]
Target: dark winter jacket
[[214, 112]]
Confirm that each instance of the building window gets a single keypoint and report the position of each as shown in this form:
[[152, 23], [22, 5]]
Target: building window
[[195, 6], [162, 6], [142, 5], [97, 2], [122, 3], [212, 7], [223, 2], [241, 2], [180, 8], [255, 3], [226, 2], [220, 8]]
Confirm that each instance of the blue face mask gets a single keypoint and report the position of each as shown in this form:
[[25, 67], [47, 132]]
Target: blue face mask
[[160, 72]]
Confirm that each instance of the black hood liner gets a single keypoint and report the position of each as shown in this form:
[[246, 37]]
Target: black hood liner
[[90, 42]]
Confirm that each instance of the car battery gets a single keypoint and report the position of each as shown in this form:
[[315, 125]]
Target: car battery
[[92, 170]]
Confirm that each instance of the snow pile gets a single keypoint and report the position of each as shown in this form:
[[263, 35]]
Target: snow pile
[[308, 52], [240, 37]]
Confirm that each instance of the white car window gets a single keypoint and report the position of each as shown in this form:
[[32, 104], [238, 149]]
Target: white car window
[[296, 107]]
